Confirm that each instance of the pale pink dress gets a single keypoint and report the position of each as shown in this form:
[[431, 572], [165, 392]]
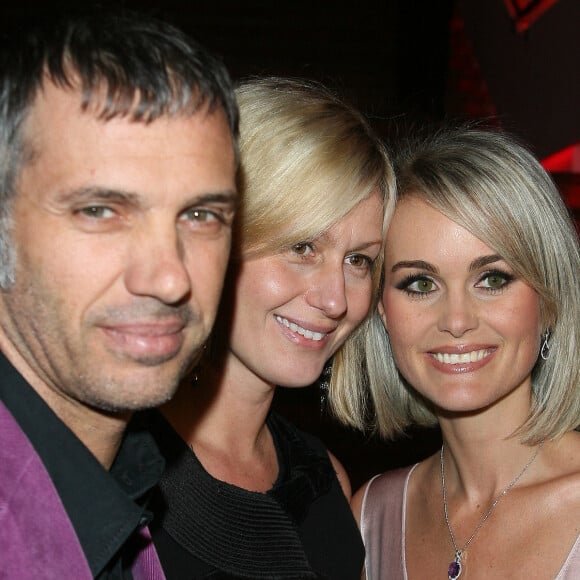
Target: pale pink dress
[[383, 529]]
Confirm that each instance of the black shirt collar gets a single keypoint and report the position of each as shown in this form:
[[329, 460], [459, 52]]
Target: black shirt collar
[[105, 508]]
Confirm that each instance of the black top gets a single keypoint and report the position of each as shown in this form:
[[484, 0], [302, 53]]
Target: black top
[[302, 528], [105, 511]]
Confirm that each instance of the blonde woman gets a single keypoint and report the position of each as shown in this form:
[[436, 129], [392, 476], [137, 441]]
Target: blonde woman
[[477, 330], [246, 494]]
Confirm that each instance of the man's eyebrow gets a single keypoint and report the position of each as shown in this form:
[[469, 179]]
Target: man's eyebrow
[[99, 194], [229, 197]]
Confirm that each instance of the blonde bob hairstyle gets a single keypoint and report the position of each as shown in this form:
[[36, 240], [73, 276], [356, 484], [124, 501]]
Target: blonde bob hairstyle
[[307, 158], [490, 184]]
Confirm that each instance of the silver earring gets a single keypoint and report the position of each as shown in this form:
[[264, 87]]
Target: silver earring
[[545, 350]]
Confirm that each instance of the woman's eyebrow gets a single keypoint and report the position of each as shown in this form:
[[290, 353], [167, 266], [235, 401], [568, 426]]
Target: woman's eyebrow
[[484, 261], [417, 264]]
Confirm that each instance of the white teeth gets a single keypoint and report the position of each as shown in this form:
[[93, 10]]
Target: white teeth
[[466, 357], [299, 330]]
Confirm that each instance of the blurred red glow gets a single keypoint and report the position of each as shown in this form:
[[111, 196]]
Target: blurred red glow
[[525, 12]]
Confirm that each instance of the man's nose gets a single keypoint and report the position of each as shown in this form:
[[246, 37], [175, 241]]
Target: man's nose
[[156, 266]]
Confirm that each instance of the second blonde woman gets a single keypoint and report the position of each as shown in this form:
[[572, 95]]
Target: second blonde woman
[[246, 494]]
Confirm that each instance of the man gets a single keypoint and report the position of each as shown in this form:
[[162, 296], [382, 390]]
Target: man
[[117, 184]]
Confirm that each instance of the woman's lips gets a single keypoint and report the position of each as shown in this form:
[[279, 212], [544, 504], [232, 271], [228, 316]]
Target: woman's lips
[[462, 361], [309, 334]]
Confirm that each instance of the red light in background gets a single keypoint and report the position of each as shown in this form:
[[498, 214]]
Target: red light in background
[[567, 160], [564, 166], [525, 12]]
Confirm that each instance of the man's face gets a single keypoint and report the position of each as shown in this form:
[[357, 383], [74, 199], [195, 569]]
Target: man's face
[[122, 234]]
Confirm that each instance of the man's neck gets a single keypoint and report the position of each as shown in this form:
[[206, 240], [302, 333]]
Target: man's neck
[[100, 432]]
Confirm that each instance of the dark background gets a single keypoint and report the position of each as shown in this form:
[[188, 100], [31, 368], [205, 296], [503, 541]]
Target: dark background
[[403, 61], [412, 58]]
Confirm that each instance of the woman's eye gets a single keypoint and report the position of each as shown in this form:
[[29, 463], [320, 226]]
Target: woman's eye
[[360, 261], [422, 285], [417, 285], [303, 248], [494, 280]]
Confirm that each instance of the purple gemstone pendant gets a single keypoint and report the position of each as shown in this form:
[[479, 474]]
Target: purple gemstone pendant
[[454, 570]]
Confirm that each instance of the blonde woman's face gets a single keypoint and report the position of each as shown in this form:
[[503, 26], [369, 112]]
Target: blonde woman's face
[[293, 310], [464, 330]]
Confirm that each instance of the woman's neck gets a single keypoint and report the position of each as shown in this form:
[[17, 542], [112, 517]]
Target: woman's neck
[[222, 417]]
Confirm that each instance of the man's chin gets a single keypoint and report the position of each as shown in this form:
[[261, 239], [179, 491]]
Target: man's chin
[[125, 397]]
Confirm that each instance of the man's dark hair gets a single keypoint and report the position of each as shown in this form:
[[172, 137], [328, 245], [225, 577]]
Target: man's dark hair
[[125, 64]]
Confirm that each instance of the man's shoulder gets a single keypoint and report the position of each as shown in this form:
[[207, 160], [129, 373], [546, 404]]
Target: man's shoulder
[[16, 449], [23, 472], [34, 527]]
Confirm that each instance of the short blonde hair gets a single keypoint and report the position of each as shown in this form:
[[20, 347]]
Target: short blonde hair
[[307, 158], [490, 184]]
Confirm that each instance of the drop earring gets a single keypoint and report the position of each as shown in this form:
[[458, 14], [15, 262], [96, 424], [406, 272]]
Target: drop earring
[[324, 384], [545, 350]]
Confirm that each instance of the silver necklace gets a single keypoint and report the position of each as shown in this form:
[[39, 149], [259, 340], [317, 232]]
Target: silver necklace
[[455, 567]]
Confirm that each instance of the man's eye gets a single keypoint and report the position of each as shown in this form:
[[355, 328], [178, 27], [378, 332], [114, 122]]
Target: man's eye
[[303, 248], [97, 212], [202, 215]]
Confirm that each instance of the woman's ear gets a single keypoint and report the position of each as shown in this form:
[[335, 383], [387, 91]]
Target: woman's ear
[[381, 311]]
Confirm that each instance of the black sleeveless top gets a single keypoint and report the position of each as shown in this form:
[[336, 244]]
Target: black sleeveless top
[[302, 528]]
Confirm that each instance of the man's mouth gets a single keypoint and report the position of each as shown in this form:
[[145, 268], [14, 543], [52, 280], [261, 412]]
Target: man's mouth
[[152, 342]]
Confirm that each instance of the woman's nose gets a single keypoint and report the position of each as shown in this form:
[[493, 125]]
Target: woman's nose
[[458, 314], [328, 291]]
